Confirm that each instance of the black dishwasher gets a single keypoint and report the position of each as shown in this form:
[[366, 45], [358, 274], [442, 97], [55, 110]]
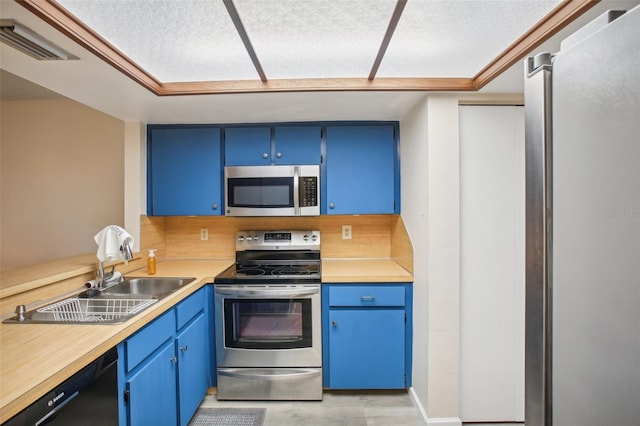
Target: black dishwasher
[[88, 397]]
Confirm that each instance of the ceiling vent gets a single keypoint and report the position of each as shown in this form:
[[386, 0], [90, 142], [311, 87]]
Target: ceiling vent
[[26, 41]]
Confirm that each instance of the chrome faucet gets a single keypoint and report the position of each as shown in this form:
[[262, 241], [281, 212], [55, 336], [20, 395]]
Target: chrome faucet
[[108, 279]]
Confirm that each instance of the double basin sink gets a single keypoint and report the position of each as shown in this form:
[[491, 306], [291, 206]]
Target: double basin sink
[[114, 305]]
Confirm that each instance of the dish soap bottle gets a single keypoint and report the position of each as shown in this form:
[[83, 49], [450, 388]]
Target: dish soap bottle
[[151, 262]]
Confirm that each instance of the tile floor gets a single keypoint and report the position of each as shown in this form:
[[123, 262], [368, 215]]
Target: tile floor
[[336, 409]]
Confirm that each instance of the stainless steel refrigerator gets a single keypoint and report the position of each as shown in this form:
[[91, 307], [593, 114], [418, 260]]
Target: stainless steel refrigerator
[[582, 109]]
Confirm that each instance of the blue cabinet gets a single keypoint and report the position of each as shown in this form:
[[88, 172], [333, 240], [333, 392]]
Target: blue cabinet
[[290, 145], [184, 171], [152, 390], [367, 336], [362, 170], [297, 145], [193, 373], [163, 373], [247, 146]]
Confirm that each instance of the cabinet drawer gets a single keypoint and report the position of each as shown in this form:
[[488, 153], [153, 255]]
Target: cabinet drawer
[[189, 308], [145, 341], [366, 296]]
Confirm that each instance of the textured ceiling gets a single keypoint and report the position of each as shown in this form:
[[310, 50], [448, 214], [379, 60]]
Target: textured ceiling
[[196, 40]]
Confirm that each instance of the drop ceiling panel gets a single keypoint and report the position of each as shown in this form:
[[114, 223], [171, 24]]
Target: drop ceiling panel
[[457, 38], [173, 40], [178, 41], [316, 39]]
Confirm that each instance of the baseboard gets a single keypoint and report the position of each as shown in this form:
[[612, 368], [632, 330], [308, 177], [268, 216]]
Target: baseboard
[[442, 421], [418, 404], [448, 421]]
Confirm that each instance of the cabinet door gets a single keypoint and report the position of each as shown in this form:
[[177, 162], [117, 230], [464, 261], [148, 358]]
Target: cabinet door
[[366, 349], [361, 170], [297, 145], [153, 391], [247, 146], [193, 373], [185, 175]]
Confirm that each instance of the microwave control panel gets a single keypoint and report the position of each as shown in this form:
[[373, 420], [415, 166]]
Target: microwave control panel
[[308, 191]]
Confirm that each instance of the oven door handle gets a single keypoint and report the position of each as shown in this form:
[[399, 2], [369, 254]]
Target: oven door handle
[[242, 373], [270, 293]]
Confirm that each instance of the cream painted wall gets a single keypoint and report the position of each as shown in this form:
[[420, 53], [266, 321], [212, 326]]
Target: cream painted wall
[[431, 212], [414, 159], [135, 177], [61, 179]]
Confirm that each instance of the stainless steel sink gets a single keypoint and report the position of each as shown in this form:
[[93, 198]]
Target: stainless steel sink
[[156, 287], [114, 305], [95, 310]]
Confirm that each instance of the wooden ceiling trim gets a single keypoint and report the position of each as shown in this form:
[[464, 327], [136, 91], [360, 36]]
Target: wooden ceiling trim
[[317, 85], [242, 32], [557, 19], [57, 16], [393, 23]]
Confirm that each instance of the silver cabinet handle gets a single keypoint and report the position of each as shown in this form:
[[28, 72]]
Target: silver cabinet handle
[[334, 323], [215, 206], [184, 348], [265, 155], [331, 205], [369, 298], [279, 155], [173, 359]]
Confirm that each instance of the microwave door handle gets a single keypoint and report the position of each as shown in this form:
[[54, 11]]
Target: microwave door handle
[[296, 191]]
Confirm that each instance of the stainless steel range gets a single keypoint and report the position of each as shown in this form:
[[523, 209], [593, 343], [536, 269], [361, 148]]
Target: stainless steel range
[[268, 320]]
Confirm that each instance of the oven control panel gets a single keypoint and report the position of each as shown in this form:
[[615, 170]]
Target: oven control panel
[[277, 240]]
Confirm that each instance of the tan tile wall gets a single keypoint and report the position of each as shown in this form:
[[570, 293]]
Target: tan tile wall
[[373, 236]]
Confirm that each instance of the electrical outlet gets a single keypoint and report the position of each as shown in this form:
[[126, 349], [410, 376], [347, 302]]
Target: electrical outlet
[[204, 234], [346, 232]]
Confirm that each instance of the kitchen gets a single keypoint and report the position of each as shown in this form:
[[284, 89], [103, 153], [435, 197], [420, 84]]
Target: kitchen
[[431, 209]]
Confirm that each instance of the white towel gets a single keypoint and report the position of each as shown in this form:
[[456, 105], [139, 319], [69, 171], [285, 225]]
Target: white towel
[[109, 241]]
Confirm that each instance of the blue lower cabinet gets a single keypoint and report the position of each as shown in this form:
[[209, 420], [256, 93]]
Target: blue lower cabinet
[[163, 372], [193, 374], [367, 336], [152, 390]]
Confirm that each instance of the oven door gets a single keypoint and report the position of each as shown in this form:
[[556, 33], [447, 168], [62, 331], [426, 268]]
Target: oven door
[[274, 325]]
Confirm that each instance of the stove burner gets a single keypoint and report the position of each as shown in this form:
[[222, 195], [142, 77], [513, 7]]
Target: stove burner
[[292, 270], [244, 269], [252, 270]]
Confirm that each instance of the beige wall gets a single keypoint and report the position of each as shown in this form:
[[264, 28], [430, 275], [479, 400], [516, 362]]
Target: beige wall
[[62, 179]]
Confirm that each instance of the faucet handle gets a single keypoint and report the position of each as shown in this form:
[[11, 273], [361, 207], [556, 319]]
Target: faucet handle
[[125, 249]]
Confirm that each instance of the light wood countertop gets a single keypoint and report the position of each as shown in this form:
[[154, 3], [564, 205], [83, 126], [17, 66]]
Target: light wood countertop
[[34, 358], [363, 270]]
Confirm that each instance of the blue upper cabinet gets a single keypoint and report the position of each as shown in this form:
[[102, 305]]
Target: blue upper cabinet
[[247, 146], [290, 145], [184, 171], [297, 145], [362, 172]]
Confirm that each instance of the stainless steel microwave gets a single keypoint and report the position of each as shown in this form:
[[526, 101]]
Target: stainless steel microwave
[[272, 190]]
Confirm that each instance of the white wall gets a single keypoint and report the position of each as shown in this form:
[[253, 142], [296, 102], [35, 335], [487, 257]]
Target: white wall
[[430, 193], [135, 178], [492, 263], [414, 158]]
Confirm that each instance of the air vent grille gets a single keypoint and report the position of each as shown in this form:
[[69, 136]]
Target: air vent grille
[[34, 45]]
